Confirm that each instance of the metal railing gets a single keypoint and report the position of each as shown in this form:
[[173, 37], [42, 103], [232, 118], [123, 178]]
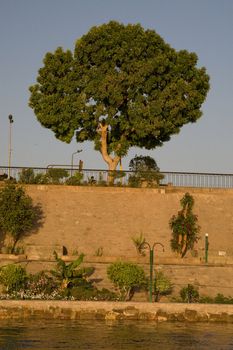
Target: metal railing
[[100, 176]]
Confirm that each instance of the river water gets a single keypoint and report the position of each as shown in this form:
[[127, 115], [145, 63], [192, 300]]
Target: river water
[[123, 335]]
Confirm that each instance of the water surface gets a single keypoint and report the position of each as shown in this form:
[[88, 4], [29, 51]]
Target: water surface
[[124, 335]]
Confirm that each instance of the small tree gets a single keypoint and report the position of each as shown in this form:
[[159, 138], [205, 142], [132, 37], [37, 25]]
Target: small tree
[[18, 216], [126, 277], [145, 170], [184, 227]]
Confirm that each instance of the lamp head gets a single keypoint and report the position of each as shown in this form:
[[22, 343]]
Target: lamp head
[[10, 119]]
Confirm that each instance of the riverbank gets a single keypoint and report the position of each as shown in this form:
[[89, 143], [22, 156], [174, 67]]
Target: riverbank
[[111, 311]]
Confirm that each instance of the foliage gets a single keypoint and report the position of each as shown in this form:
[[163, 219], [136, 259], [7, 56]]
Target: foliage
[[123, 86], [80, 293], [218, 299], [139, 244], [126, 277], [75, 179], [184, 227], [9, 249], [40, 283], [13, 277], [18, 216], [68, 275], [145, 172], [55, 175], [162, 285], [189, 294], [27, 176]]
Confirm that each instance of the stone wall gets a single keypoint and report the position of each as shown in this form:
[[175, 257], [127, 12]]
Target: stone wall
[[85, 219], [111, 311], [97, 219]]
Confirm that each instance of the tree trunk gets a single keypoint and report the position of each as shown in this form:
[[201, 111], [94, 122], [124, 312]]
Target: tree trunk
[[111, 161], [184, 246]]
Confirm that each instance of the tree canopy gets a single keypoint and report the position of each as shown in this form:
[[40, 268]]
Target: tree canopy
[[145, 171], [123, 86]]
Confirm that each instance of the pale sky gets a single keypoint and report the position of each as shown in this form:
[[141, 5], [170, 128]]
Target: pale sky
[[30, 28]]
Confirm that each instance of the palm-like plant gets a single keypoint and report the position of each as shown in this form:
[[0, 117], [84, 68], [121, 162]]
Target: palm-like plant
[[68, 274]]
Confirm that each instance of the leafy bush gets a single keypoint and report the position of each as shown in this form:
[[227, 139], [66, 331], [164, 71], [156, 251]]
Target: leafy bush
[[27, 176], [13, 277], [218, 299], [126, 277], [55, 175], [189, 294], [75, 179], [162, 285], [221, 299]]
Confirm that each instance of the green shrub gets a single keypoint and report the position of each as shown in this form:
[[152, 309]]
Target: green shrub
[[41, 179], [162, 285], [126, 277], [75, 179], [55, 175], [218, 299], [221, 299], [27, 176], [13, 277], [91, 293], [189, 294]]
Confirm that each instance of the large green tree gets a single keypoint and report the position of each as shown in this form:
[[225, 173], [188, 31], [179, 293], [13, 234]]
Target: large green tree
[[122, 86]]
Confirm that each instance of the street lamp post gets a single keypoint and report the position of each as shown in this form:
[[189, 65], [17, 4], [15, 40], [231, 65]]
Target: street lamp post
[[151, 250], [72, 160], [11, 121]]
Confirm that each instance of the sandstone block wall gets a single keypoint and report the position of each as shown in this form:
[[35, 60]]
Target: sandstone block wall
[[95, 219], [85, 219]]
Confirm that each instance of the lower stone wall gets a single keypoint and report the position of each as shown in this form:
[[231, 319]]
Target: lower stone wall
[[158, 312]]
